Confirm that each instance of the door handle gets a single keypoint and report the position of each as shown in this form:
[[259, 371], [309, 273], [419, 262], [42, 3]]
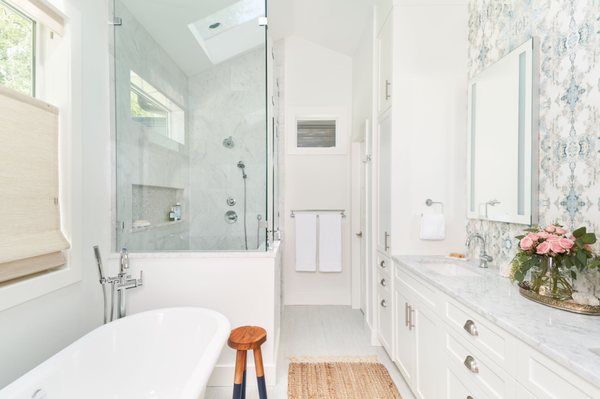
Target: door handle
[[359, 234], [406, 322], [385, 241]]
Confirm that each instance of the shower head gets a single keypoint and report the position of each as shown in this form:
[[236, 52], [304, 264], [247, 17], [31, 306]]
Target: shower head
[[99, 263], [242, 166]]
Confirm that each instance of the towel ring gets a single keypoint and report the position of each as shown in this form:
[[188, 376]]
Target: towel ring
[[430, 202]]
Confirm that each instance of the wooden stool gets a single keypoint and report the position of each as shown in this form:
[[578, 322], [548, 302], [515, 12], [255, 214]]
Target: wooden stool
[[243, 339]]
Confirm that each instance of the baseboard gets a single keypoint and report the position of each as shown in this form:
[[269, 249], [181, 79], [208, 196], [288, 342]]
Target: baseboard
[[222, 375]]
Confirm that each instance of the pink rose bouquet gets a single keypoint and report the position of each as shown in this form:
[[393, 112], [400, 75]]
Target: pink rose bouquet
[[551, 256]]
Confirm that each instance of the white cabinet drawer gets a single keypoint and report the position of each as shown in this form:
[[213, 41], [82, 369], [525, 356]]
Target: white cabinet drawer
[[384, 319], [478, 371], [489, 339], [456, 389], [547, 380]]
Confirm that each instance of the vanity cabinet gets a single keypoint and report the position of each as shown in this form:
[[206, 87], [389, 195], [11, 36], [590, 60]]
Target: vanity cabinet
[[446, 350], [418, 339]]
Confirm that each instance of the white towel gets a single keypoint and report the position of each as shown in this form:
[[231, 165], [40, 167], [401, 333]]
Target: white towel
[[433, 226], [306, 242], [330, 242]]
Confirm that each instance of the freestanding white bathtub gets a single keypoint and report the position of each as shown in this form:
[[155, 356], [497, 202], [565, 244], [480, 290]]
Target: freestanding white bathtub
[[159, 354]]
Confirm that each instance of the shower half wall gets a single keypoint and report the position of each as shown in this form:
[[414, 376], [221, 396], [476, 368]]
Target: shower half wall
[[183, 123]]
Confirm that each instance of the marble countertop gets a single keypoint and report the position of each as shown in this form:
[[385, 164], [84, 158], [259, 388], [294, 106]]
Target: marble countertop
[[570, 339]]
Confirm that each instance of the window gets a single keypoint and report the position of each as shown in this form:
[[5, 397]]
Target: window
[[316, 133], [155, 111], [17, 50]]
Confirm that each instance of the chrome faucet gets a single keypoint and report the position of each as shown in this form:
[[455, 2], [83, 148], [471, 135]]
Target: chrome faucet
[[125, 282], [484, 258]]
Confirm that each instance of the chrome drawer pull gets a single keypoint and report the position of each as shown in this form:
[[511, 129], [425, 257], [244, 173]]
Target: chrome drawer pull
[[382, 264], [406, 322], [471, 328], [382, 282], [383, 303], [471, 364]]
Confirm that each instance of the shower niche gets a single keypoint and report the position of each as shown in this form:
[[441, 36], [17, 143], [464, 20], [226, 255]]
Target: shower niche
[[155, 206]]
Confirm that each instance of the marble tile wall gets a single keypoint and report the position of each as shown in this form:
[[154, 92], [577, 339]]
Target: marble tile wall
[[142, 158], [228, 100], [569, 169]]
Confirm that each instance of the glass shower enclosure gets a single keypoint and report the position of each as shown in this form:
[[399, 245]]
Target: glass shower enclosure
[[191, 131]]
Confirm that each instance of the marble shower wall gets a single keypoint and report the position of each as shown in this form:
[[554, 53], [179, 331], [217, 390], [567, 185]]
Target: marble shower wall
[[569, 128], [144, 157], [228, 100]]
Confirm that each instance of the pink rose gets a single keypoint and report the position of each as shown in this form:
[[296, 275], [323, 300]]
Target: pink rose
[[533, 236], [550, 229], [526, 243], [543, 248], [560, 231], [556, 247], [566, 243], [543, 235], [588, 247], [552, 237]]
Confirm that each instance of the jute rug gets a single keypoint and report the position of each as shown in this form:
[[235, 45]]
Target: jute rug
[[340, 378]]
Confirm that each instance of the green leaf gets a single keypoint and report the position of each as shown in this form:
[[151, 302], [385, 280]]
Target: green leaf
[[581, 259], [579, 232], [520, 237], [589, 238]]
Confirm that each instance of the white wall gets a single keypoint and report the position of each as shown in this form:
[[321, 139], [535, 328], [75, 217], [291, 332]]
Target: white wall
[[316, 78], [429, 130], [33, 331]]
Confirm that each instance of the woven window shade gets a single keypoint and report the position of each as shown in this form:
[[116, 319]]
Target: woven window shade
[[31, 239]]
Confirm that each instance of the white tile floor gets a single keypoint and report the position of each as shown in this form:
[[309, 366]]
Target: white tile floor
[[319, 331]]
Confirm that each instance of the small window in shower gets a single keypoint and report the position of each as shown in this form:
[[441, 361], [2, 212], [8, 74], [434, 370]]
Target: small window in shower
[[316, 133], [155, 111]]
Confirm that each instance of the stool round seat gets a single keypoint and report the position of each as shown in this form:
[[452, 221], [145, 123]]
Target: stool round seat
[[247, 338]]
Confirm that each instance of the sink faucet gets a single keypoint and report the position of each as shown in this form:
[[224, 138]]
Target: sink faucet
[[484, 258]]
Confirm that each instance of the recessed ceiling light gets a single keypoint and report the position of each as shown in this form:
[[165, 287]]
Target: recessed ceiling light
[[215, 25]]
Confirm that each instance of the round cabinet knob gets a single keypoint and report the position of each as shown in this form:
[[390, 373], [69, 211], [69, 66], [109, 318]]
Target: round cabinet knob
[[382, 264], [383, 303], [383, 282]]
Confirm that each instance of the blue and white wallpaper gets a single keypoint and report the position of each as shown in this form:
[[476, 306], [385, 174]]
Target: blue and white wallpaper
[[569, 128]]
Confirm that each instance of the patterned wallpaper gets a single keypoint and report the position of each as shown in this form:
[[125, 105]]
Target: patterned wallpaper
[[569, 127]]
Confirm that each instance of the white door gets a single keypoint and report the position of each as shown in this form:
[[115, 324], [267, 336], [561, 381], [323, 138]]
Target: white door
[[363, 227]]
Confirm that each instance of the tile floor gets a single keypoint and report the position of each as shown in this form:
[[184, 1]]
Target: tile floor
[[319, 331]]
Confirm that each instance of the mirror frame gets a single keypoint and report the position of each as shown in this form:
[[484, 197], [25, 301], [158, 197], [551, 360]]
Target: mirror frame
[[529, 155]]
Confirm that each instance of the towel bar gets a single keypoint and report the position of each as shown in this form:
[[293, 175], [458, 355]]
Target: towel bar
[[342, 211], [430, 202]]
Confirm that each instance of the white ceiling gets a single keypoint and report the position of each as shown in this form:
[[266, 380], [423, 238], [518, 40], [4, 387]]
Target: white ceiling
[[336, 24], [167, 22]]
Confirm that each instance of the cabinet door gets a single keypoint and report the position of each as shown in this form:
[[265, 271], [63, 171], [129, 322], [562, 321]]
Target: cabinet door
[[385, 48], [405, 356], [384, 319], [429, 354], [383, 184]]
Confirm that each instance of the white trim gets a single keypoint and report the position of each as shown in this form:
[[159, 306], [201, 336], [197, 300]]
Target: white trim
[[43, 13]]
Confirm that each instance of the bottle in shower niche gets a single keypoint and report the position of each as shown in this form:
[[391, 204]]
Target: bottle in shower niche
[[177, 211]]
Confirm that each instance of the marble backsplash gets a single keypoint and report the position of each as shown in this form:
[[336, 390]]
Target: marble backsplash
[[569, 45]]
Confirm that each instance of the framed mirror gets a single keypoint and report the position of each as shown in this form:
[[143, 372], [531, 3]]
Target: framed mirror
[[503, 139]]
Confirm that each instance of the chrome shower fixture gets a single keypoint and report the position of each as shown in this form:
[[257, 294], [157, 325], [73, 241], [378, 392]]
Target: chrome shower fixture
[[242, 166], [228, 142]]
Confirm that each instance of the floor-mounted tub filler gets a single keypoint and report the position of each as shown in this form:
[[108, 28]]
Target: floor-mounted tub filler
[[160, 354]]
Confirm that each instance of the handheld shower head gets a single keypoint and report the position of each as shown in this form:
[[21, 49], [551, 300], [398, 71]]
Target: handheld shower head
[[242, 166], [99, 263]]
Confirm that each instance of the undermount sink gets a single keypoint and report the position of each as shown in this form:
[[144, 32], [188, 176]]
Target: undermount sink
[[450, 269]]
